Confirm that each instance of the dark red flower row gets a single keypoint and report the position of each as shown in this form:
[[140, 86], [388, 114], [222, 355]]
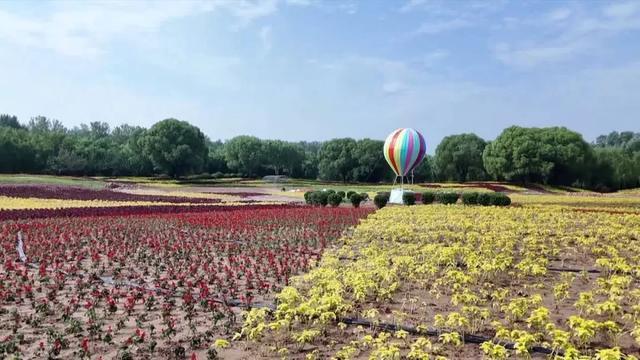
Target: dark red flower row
[[239, 194], [80, 193], [119, 211]]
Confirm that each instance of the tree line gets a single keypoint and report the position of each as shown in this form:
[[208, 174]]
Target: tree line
[[553, 155]]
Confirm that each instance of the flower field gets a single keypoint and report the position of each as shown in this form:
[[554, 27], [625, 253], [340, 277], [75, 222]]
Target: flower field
[[79, 193], [134, 282], [469, 282]]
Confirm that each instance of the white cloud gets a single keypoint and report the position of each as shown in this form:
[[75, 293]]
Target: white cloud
[[248, 11], [434, 57], [83, 29], [412, 4], [435, 27], [266, 39], [622, 9], [528, 57], [574, 34], [393, 87], [300, 2], [559, 14]]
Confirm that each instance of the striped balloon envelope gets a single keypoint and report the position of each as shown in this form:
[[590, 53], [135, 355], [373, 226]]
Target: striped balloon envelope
[[404, 149]]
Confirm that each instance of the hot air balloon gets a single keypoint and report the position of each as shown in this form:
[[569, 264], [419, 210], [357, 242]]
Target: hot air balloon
[[404, 149]]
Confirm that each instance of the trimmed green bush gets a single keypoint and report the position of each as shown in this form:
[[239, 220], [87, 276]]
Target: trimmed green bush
[[319, 198], [341, 193], [500, 199], [355, 199], [364, 196], [334, 199], [409, 198], [329, 191], [428, 197], [485, 199], [349, 193], [447, 197], [381, 200], [307, 197], [470, 198]]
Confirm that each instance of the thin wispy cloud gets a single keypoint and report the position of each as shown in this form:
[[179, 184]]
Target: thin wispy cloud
[[559, 14], [436, 27], [83, 29], [574, 35], [265, 35]]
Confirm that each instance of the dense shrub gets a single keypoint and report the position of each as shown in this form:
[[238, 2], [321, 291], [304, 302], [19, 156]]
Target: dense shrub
[[485, 199], [329, 191], [334, 199], [307, 197], [447, 197], [381, 200], [355, 199], [364, 196], [341, 193], [409, 198], [470, 198], [349, 193], [319, 198], [428, 197], [500, 199]]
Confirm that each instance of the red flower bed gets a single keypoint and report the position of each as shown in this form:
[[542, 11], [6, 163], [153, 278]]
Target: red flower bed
[[152, 285], [79, 193], [18, 214], [239, 194]]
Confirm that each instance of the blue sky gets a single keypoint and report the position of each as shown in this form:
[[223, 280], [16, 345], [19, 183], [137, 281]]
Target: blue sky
[[315, 70]]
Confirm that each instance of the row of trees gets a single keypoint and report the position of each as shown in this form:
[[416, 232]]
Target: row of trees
[[553, 155]]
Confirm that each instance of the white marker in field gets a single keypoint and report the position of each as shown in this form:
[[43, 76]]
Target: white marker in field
[[20, 248]]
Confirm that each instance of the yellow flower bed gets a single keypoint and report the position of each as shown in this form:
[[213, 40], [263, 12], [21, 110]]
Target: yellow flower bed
[[577, 200], [499, 272], [11, 203], [187, 194]]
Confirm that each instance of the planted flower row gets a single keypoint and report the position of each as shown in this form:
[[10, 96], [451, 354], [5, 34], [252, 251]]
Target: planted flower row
[[80, 193], [537, 278], [172, 280], [19, 214]]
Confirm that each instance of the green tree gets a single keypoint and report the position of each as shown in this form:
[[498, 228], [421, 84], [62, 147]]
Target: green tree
[[555, 155], [46, 137], [424, 172], [244, 155], [216, 162], [9, 121], [336, 159], [16, 151], [282, 157], [371, 165], [175, 147], [459, 158]]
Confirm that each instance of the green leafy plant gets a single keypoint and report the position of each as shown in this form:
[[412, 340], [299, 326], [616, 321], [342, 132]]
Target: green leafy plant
[[470, 198], [355, 199], [334, 199], [428, 197], [409, 198], [381, 200], [447, 198]]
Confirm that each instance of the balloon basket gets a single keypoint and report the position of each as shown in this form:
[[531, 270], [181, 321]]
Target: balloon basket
[[396, 195]]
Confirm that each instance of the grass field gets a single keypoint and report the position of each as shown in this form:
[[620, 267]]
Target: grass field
[[51, 180]]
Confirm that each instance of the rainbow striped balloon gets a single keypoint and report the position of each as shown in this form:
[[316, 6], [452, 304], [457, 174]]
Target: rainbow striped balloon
[[404, 149]]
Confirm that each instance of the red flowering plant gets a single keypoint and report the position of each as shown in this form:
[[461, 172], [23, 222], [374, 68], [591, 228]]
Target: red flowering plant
[[181, 272]]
